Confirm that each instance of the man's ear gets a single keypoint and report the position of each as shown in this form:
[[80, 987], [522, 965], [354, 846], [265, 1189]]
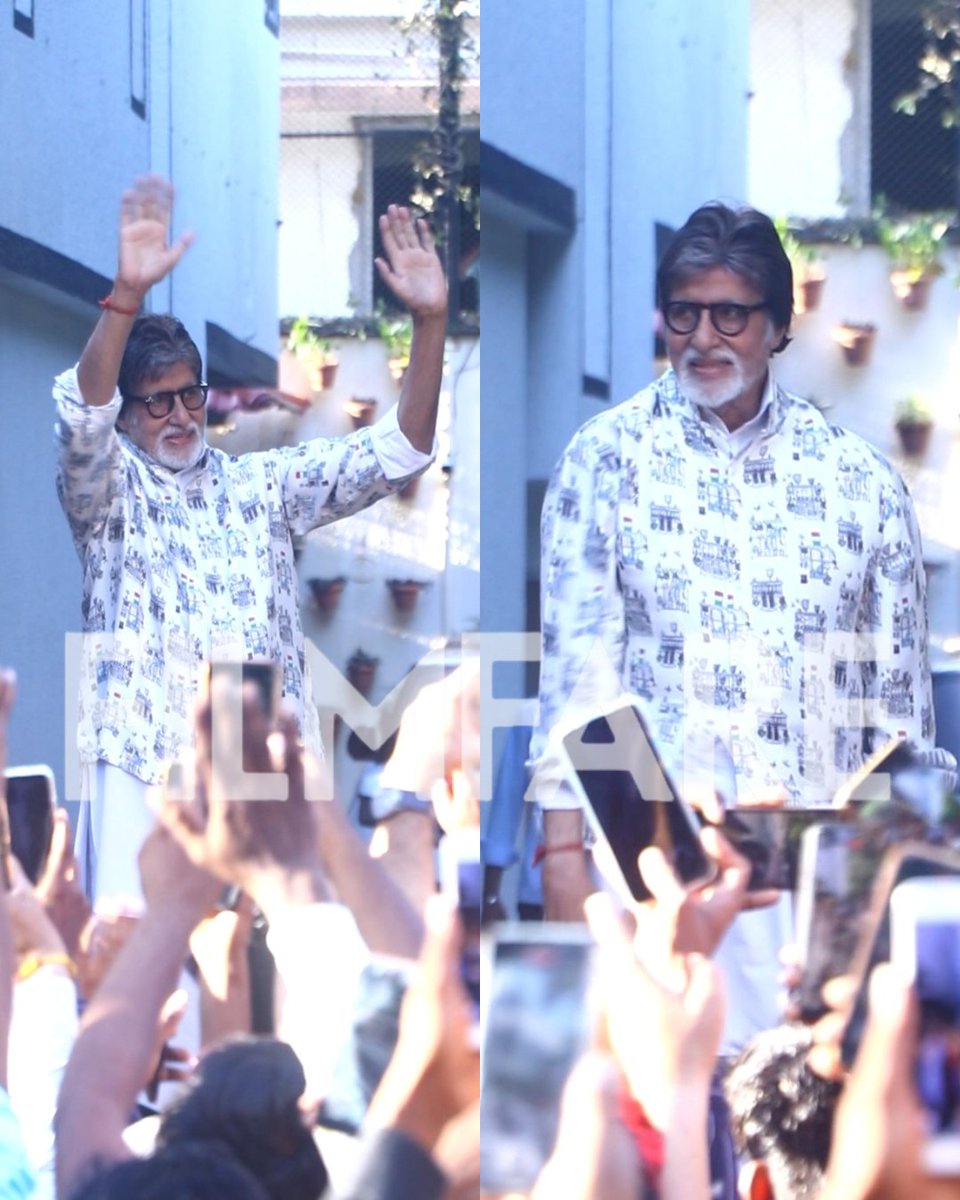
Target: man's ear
[[753, 1182]]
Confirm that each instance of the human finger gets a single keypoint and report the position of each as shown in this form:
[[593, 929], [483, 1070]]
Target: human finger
[[660, 878]]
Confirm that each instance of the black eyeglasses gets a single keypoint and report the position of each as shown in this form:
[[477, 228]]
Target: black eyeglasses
[[683, 316], [160, 404]]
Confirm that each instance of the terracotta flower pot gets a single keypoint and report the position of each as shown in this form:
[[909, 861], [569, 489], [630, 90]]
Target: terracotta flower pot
[[913, 292], [807, 293], [915, 437], [404, 593], [856, 341], [326, 593], [328, 375], [361, 671], [362, 411]]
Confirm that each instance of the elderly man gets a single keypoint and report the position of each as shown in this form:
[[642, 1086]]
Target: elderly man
[[187, 552], [751, 574]]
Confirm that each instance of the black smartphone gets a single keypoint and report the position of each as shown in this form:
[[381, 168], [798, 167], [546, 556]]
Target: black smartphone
[[263, 674], [365, 1054], [630, 801], [901, 863], [770, 838], [31, 801], [460, 871], [537, 1025]]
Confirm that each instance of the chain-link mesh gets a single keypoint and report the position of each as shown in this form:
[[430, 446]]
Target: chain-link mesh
[[855, 106], [376, 110]]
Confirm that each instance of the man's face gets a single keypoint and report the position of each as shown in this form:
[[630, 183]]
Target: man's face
[[723, 372], [175, 441]]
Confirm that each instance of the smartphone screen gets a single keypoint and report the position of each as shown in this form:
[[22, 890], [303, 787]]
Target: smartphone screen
[[840, 861], [925, 942], [460, 871], [629, 799], [364, 1056], [769, 839], [907, 862], [30, 805], [537, 1026]]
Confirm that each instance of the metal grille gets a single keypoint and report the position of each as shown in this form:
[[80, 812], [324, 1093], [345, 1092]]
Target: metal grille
[[854, 105], [378, 107]]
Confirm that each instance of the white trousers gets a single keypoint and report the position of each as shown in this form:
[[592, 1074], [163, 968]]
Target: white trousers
[[113, 823]]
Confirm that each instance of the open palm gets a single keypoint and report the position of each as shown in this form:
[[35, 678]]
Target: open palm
[[145, 217], [412, 268]]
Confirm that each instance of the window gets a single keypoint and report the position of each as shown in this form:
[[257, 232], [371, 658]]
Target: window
[[914, 159], [395, 153]]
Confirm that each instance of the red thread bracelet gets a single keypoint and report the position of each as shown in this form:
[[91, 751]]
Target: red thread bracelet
[[107, 303], [542, 851]]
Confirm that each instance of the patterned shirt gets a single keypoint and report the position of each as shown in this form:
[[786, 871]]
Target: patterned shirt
[[183, 567], [766, 590]]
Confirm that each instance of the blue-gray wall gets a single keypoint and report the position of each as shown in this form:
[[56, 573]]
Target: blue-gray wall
[[206, 77], [638, 108]]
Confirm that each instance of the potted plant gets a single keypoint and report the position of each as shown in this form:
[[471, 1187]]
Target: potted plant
[[326, 593], [913, 247], [361, 669], [913, 420], [808, 273], [314, 352], [405, 592], [855, 338], [362, 411], [396, 333]]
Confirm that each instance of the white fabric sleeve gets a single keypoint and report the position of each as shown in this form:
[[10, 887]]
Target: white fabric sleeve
[[43, 1027], [394, 452], [319, 955]]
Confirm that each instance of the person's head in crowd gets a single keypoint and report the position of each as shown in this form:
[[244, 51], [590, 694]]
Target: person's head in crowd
[[196, 1171], [245, 1095], [164, 396], [781, 1115]]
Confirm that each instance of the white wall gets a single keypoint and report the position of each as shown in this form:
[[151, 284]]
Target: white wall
[[912, 352], [639, 106], [807, 123]]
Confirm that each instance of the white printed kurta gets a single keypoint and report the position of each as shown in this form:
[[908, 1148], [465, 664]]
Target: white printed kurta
[[182, 567], [770, 594]]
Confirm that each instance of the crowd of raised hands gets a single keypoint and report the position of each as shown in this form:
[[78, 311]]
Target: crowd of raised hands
[[90, 1006]]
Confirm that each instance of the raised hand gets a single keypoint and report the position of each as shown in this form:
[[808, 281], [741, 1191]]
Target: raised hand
[[145, 255], [58, 889], [412, 269]]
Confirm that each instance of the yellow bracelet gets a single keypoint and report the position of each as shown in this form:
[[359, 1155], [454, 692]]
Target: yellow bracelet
[[33, 962]]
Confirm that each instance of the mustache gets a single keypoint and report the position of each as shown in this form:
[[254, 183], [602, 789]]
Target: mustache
[[691, 357]]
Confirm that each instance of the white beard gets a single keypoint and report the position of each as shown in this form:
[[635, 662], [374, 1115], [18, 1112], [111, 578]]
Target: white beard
[[181, 457], [712, 395]]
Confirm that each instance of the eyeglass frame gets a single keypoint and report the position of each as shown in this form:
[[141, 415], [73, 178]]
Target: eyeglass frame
[[747, 310], [173, 395]]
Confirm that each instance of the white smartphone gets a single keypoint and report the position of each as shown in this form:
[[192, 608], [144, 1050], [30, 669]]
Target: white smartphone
[[925, 948], [629, 799], [31, 800], [839, 864], [537, 1021]]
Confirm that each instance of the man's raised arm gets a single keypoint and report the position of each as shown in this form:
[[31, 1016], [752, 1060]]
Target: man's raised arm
[[144, 258]]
